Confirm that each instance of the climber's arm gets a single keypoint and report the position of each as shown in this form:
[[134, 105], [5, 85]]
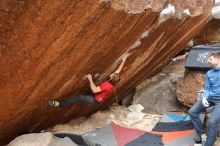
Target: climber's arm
[[121, 65], [93, 87]]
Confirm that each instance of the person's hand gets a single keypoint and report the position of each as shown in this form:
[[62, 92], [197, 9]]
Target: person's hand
[[89, 76], [174, 59], [205, 102]]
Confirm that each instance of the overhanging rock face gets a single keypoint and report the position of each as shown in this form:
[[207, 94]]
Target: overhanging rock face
[[210, 34], [46, 47]]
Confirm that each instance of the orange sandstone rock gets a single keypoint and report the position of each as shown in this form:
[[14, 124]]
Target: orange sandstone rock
[[46, 47]]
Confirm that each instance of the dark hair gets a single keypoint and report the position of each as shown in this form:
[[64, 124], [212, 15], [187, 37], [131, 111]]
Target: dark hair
[[115, 79], [216, 54]]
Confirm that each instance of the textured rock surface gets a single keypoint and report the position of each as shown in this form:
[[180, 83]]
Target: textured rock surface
[[46, 47], [158, 94], [131, 117], [188, 86], [211, 33], [41, 139]]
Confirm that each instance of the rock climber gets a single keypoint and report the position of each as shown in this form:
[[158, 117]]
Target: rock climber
[[97, 94]]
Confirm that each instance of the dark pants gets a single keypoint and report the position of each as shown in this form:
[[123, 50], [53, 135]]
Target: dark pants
[[194, 112], [88, 98]]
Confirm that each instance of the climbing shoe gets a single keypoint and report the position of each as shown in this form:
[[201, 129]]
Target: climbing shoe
[[53, 103]]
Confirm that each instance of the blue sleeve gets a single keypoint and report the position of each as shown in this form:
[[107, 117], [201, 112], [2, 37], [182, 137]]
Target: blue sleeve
[[207, 87]]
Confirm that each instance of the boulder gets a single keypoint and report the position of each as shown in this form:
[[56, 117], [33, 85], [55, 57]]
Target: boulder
[[41, 139], [157, 95], [187, 87], [210, 34], [47, 47]]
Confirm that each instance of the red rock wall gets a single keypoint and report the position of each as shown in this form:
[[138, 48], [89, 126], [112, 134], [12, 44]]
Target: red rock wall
[[210, 34], [46, 47]]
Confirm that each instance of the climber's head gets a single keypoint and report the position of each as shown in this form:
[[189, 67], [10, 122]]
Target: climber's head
[[114, 78], [214, 59]]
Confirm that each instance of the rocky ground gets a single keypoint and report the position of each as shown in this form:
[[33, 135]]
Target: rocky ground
[[131, 117]]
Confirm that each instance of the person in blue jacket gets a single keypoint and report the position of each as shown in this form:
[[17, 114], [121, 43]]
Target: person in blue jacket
[[210, 97]]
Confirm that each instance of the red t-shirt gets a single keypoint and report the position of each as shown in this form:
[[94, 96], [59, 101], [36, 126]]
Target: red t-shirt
[[106, 89]]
